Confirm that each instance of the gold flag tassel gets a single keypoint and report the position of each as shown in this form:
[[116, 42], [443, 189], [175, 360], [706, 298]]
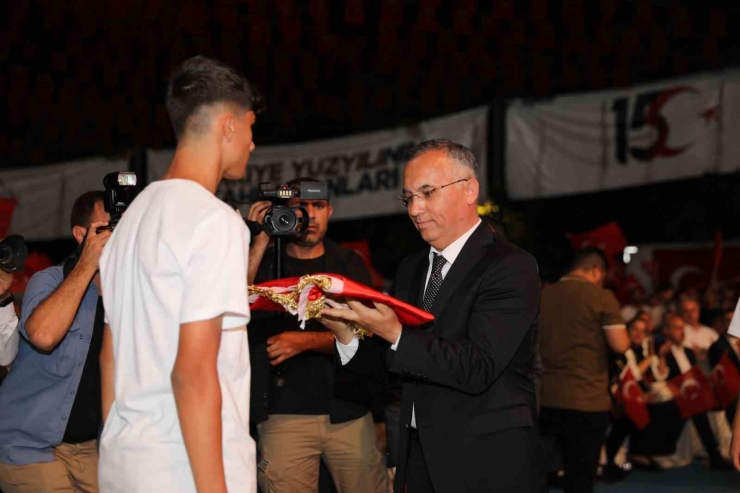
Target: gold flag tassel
[[290, 299]]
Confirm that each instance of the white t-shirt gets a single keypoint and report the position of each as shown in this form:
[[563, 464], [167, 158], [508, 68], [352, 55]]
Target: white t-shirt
[[178, 255], [702, 336], [735, 323]]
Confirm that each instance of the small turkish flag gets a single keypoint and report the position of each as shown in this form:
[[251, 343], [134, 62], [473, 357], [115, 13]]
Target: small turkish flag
[[304, 296], [726, 380], [693, 393], [630, 395]]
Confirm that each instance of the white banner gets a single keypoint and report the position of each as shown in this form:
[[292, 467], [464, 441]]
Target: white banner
[[364, 171], [614, 139], [46, 193]]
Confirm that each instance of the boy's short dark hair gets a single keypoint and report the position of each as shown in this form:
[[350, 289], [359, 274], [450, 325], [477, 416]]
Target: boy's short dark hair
[[201, 81], [83, 208]]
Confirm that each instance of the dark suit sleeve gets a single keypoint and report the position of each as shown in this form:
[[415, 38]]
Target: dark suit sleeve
[[715, 351], [506, 307]]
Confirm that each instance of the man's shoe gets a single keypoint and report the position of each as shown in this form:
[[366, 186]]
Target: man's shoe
[[613, 473]]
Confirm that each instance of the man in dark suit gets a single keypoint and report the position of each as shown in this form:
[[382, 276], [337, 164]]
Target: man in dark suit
[[468, 401]]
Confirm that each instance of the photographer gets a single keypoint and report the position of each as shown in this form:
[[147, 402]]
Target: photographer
[[50, 410], [8, 321], [301, 412]]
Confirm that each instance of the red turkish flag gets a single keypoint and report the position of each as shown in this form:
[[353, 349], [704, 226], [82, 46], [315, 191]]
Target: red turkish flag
[[726, 380], [630, 395], [693, 393], [608, 237], [339, 286]]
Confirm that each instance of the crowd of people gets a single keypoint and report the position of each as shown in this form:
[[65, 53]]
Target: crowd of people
[[132, 368], [642, 385]]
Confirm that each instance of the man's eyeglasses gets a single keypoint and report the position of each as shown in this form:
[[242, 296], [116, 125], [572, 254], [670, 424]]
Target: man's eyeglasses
[[425, 194]]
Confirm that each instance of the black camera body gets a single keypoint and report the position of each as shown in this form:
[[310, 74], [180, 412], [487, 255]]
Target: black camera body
[[13, 254], [282, 220], [120, 188]]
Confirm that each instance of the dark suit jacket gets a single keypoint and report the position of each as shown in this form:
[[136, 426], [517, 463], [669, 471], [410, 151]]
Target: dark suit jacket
[[467, 374], [670, 361], [719, 347]]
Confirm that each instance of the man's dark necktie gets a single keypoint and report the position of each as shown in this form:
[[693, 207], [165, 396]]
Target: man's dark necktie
[[435, 281]]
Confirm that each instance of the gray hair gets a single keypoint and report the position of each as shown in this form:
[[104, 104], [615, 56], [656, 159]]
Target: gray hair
[[457, 152]]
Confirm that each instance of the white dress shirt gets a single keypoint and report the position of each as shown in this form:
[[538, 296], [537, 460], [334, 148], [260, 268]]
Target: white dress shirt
[[9, 336], [346, 351], [735, 324], [702, 336]]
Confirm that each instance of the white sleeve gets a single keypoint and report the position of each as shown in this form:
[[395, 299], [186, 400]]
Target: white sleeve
[[735, 324], [347, 351], [395, 344], [216, 275], [9, 335]]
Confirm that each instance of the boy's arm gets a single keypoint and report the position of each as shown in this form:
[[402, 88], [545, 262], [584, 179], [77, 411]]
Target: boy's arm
[[197, 391], [106, 372]]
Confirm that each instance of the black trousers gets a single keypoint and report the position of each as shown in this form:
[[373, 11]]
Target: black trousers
[[417, 473], [579, 435], [701, 422], [621, 429]]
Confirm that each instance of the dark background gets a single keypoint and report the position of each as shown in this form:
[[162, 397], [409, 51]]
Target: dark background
[[88, 79]]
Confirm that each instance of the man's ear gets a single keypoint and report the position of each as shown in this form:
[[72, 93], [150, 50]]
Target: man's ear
[[79, 233], [472, 189], [331, 210], [229, 126]]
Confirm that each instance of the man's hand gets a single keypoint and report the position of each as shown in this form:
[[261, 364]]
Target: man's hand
[[93, 248], [337, 326], [286, 345], [257, 214], [380, 320], [260, 242]]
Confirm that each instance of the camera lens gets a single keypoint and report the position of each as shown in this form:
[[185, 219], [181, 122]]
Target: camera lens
[[284, 220]]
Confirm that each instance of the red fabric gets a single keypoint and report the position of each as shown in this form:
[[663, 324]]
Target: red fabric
[[363, 250], [608, 237], [34, 263], [407, 314], [726, 380], [7, 206], [693, 393], [630, 395]]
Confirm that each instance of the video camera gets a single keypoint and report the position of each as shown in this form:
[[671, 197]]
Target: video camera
[[120, 188], [13, 254], [281, 220]]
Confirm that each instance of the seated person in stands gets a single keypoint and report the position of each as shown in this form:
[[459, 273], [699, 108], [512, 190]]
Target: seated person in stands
[[639, 357], [675, 359]]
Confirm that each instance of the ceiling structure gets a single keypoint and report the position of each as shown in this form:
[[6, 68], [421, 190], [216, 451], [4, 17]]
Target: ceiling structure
[[88, 78]]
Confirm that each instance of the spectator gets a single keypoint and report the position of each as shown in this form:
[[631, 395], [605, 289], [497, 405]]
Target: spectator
[[580, 324]]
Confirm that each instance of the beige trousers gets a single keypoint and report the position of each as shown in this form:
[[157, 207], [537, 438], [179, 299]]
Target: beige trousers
[[74, 470], [291, 447]]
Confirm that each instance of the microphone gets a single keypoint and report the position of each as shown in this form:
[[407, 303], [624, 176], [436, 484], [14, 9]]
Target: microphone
[[255, 228]]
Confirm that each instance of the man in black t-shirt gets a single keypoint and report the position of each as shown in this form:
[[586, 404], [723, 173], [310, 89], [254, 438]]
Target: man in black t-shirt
[[302, 413]]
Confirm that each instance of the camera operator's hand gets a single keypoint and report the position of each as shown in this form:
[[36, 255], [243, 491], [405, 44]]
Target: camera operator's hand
[[260, 242], [93, 248], [257, 214], [6, 280], [292, 343]]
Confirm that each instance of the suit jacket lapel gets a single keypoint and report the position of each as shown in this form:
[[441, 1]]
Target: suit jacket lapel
[[471, 253]]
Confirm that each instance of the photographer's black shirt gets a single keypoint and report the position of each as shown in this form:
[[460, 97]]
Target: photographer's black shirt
[[305, 376], [86, 415], [312, 385]]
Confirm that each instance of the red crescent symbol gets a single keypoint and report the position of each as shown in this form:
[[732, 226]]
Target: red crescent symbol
[[654, 118]]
